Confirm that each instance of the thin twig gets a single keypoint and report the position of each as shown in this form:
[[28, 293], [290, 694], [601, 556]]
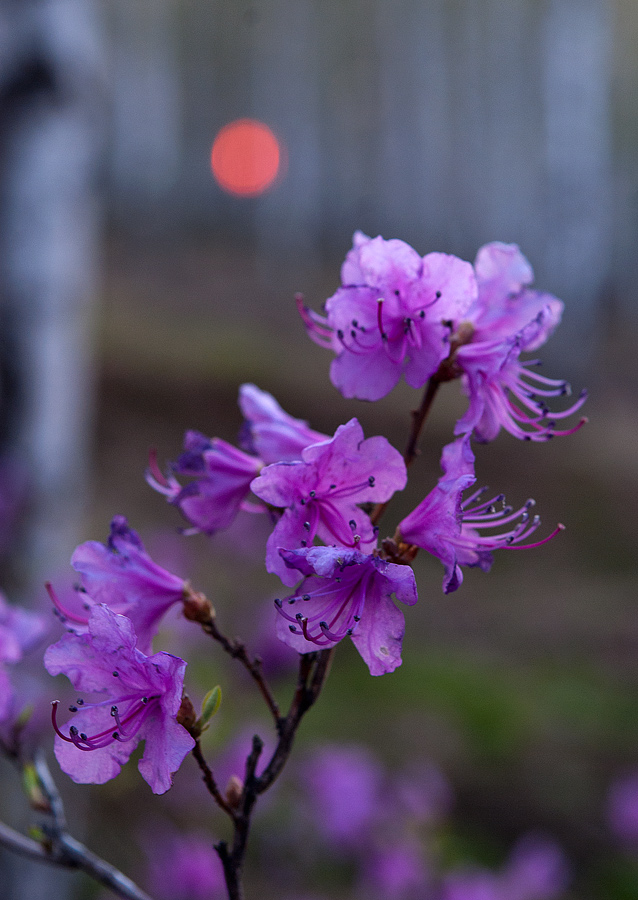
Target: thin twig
[[313, 671], [411, 451], [65, 852], [237, 650], [209, 780], [58, 847]]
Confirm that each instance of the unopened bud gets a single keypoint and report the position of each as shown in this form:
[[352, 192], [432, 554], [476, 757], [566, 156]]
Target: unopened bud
[[234, 790], [210, 705], [186, 716], [197, 607]]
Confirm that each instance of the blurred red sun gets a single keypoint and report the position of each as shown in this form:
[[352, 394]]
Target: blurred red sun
[[245, 158]]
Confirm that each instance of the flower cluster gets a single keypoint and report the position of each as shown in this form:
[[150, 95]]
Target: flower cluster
[[430, 319], [438, 317], [389, 828]]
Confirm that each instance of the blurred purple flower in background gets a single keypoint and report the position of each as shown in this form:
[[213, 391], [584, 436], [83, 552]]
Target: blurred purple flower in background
[[622, 809], [183, 867], [20, 630], [345, 787]]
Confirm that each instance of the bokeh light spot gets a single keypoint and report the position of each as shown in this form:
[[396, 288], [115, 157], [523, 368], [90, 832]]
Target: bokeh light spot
[[246, 157]]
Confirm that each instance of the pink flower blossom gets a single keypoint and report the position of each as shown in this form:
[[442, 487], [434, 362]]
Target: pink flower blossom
[[121, 575], [320, 494], [269, 432], [221, 481], [347, 594], [451, 528], [506, 320], [389, 317], [142, 698]]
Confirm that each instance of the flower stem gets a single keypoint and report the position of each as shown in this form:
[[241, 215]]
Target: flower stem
[[411, 451], [313, 671]]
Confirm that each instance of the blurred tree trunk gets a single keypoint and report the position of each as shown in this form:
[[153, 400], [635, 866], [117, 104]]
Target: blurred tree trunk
[[51, 107]]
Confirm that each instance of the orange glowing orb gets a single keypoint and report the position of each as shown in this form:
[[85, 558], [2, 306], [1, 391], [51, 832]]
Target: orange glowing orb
[[245, 158]]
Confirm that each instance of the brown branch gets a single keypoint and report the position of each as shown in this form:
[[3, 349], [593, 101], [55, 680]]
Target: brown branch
[[237, 650], [209, 780], [313, 671], [411, 451]]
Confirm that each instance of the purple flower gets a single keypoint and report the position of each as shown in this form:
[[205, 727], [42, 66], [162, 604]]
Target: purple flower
[[142, 698], [507, 319], [536, 870], [269, 432], [472, 884], [346, 593], [222, 476], [397, 872], [345, 785], [121, 575], [320, 493], [389, 317], [184, 867], [450, 528], [622, 808], [20, 630]]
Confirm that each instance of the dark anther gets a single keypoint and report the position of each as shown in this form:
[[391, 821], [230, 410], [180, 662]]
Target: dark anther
[[306, 597], [292, 600], [83, 736], [397, 292], [304, 543], [73, 709], [355, 323], [116, 735], [438, 295], [114, 710], [144, 699], [352, 524], [340, 334], [349, 632], [313, 494], [371, 481], [293, 629], [353, 333], [73, 730], [278, 603], [422, 314], [80, 701], [332, 487], [306, 525], [299, 617], [302, 502], [357, 618], [116, 674]]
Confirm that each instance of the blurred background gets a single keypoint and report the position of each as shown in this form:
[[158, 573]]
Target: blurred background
[[145, 275]]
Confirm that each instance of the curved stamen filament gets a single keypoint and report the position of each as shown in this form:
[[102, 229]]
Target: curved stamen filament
[[135, 714], [64, 612]]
